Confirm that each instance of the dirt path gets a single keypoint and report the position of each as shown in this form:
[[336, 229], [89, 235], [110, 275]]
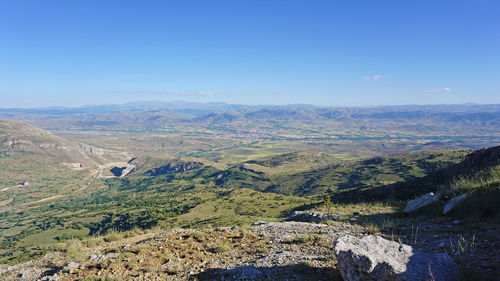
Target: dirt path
[[6, 202], [7, 188], [97, 175], [19, 206]]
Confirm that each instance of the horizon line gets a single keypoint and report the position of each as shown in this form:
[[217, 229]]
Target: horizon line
[[237, 104]]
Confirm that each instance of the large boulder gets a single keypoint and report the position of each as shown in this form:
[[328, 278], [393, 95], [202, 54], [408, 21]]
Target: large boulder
[[375, 258], [449, 205], [420, 202]]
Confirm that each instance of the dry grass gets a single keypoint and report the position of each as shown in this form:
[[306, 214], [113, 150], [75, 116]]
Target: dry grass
[[76, 251], [112, 236], [372, 228], [359, 208]]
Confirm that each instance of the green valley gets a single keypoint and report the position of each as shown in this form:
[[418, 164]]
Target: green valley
[[80, 184]]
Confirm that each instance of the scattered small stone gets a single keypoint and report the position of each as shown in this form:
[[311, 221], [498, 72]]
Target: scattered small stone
[[273, 252], [72, 267], [171, 268], [308, 216], [97, 258]]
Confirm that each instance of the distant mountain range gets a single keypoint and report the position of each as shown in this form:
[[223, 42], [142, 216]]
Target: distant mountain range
[[200, 108], [178, 106], [464, 119]]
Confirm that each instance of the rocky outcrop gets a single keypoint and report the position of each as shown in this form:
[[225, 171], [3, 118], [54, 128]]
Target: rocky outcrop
[[32, 270], [307, 216], [420, 202], [450, 204], [72, 267], [478, 160], [91, 150], [172, 168], [122, 171], [375, 258]]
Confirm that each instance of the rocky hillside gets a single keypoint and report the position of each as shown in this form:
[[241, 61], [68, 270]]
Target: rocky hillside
[[21, 137], [264, 251], [309, 173], [37, 166], [473, 162], [475, 167]]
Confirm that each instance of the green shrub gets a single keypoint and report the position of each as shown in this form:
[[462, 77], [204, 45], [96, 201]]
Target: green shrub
[[60, 246], [261, 251], [124, 256], [124, 222], [245, 233], [221, 249], [333, 223], [372, 228], [198, 236], [310, 238]]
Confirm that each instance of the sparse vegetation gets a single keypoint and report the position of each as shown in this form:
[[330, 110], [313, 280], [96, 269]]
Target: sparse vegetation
[[199, 236], [124, 256], [219, 249], [261, 250], [310, 238], [462, 245], [75, 250], [372, 228], [112, 236], [483, 194], [97, 278]]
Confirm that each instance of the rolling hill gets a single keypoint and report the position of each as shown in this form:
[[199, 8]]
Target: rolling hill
[[24, 138], [49, 166], [308, 173], [478, 169]]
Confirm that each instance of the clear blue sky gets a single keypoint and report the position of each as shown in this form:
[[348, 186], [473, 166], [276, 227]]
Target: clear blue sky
[[251, 52]]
